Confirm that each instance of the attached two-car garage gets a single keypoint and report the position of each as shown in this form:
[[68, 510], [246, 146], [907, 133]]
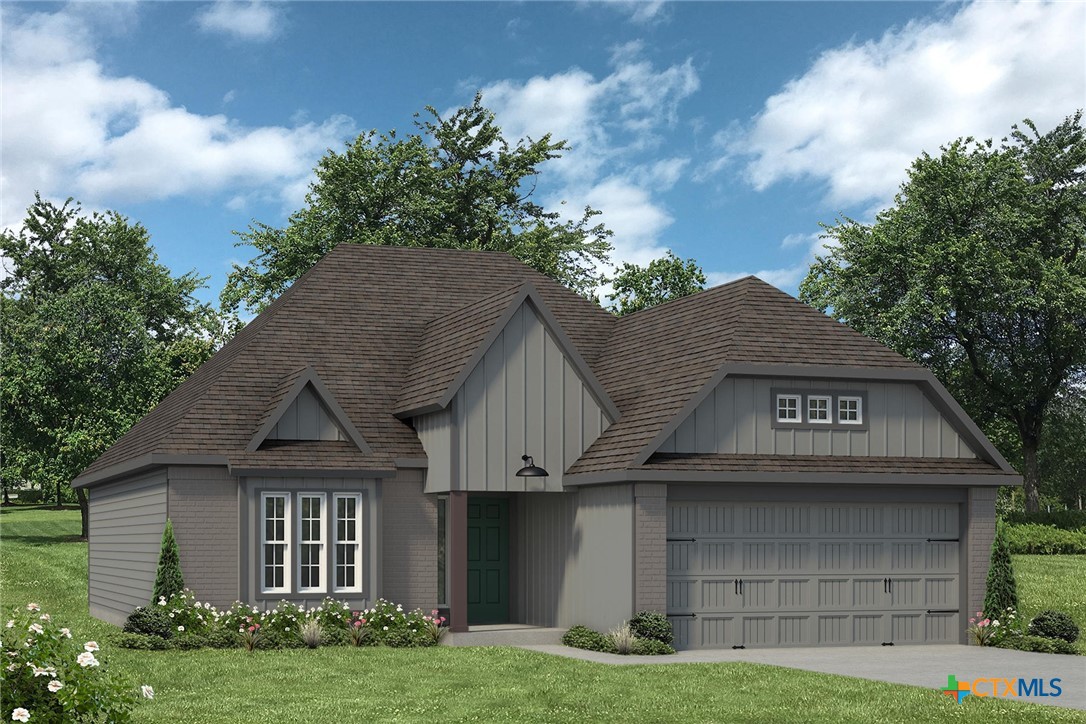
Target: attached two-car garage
[[813, 573]]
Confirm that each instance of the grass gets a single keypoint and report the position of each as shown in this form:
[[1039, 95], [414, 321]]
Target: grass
[[1043, 584], [40, 560]]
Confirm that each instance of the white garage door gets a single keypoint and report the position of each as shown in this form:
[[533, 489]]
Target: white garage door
[[803, 574]]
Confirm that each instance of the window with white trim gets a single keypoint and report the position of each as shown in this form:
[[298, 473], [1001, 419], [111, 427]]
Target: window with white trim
[[850, 410], [311, 527], [348, 564], [275, 537], [788, 408], [818, 408]]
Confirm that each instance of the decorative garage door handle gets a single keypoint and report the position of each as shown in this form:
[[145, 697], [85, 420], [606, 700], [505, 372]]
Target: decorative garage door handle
[[888, 585], [739, 586], [944, 540], [681, 540], [682, 615], [943, 610]]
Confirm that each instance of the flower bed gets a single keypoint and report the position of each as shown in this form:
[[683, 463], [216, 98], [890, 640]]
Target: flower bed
[[184, 622]]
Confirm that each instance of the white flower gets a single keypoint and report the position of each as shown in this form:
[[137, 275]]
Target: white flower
[[36, 628], [171, 614], [995, 623], [86, 659], [147, 692], [11, 667], [33, 607], [43, 670], [45, 617], [55, 686], [161, 600], [20, 714], [90, 646], [181, 629], [10, 623], [386, 628], [66, 632]]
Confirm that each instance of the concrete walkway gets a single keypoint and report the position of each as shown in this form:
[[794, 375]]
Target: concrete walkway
[[924, 666]]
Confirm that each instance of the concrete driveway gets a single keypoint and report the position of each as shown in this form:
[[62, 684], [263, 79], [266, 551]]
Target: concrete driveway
[[925, 666]]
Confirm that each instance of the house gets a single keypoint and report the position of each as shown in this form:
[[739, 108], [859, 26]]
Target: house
[[761, 473]]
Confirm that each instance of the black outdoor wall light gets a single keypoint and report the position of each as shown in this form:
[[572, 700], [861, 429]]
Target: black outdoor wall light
[[530, 469]]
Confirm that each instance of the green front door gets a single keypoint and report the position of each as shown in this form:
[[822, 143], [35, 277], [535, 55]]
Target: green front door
[[488, 560]]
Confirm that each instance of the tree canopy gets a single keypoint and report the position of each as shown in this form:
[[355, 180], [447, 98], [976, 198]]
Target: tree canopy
[[96, 333], [640, 287], [977, 271], [455, 183]]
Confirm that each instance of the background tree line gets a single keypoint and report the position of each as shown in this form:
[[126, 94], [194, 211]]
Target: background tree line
[[974, 272]]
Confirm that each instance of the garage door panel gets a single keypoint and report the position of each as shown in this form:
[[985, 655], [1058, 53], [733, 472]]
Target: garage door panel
[[794, 593], [788, 574]]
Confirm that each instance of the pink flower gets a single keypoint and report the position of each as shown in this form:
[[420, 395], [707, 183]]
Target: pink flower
[[55, 686], [86, 659], [36, 628], [20, 714], [357, 624], [91, 646], [33, 607]]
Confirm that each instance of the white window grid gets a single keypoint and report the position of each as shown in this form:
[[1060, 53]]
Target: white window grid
[[850, 410], [820, 409], [312, 523], [275, 542], [348, 543], [788, 408]]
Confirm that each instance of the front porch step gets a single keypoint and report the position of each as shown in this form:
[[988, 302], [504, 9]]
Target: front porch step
[[504, 635]]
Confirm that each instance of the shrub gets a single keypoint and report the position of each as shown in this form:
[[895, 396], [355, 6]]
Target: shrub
[[651, 647], [150, 621], [335, 637], [623, 638], [189, 641], [223, 638], [358, 634], [390, 625], [1038, 644], [142, 642], [1054, 625], [311, 633], [1001, 592], [1064, 519], [582, 637], [54, 678], [168, 579], [1042, 539], [652, 625]]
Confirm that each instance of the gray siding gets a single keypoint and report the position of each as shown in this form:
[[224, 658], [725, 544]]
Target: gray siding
[[523, 397], [126, 523], [575, 558], [249, 523], [203, 505], [979, 534], [306, 419], [409, 542], [737, 417], [650, 551]]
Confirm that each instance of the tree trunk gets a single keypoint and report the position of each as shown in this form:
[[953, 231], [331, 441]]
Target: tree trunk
[[58, 505], [1031, 474], [84, 512]]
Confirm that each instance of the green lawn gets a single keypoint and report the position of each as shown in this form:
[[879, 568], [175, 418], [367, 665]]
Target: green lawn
[[1053, 582], [41, 561]]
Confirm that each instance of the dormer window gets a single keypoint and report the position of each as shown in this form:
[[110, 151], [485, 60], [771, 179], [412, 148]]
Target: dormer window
[[850, 410], [788, 408], [818, 409]]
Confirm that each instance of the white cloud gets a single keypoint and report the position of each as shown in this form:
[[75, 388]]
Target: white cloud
[[72, 128], [861, 113], [616, 123], [245, 21]]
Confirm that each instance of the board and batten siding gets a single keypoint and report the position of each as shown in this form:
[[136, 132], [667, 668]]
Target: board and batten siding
[[574, 556], [306, 419], [126, 523], [737, 416], [524, 397]]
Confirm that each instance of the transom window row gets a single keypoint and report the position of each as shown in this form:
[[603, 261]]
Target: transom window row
[[820, 409], [299, 547]]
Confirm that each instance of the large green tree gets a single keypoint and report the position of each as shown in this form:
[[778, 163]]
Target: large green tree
[[96, 332], [978, 272], [455, 183], [661, 280]]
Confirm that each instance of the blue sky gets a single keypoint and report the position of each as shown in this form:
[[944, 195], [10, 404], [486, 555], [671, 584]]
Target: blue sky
[[725, 132]]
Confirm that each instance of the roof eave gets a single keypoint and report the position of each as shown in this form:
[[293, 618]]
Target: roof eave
[[813, 478]]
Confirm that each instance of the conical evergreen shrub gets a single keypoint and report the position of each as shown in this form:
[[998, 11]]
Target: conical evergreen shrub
[[169, 579], [1001, 591]]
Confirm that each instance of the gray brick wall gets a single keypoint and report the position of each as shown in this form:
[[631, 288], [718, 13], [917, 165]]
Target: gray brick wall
[[980, 534], [650, 547], [203, 505], [409, 545]]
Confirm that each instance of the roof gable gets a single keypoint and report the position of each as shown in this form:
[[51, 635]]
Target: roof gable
[[304, 409], [454, 344]]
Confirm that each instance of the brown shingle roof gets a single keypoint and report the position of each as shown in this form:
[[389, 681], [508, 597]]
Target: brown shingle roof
[[717, 463], [659, 358], [358, 318]]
